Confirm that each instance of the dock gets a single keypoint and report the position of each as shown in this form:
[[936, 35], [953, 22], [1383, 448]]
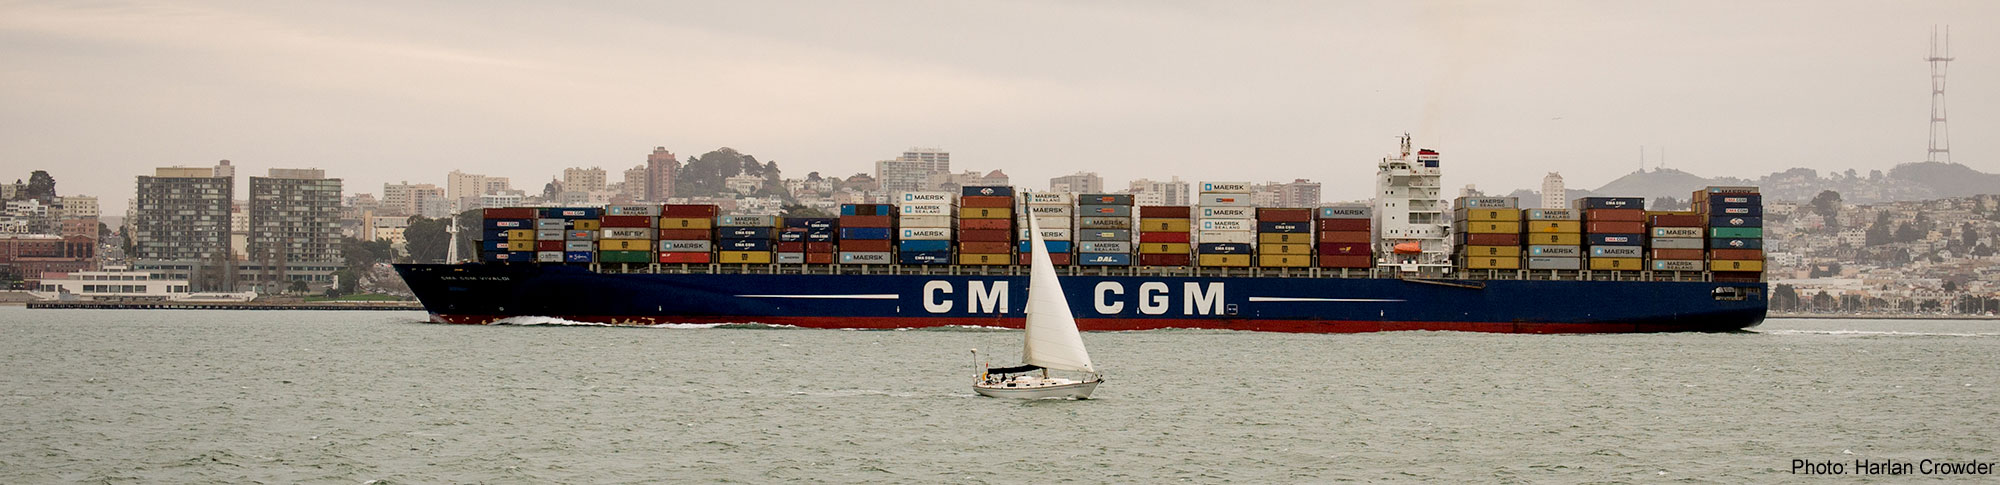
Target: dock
[[168, 305]]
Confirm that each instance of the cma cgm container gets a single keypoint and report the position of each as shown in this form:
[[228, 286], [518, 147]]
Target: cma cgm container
[[1284, 237], [1614, 232], [1342, 236], [986, 226], [1226, 225], [926, 227], [1165, 236], [1735, 232], [1105, 212]]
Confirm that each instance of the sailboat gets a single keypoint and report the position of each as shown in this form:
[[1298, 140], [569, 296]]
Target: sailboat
[[1052, 340]]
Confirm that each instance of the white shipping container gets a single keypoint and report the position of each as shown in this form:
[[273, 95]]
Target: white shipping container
[[869, 257], [550, 234], [1051, 210], [686, 246], [926, 234], [1238, 237], [1105, 247], [1227, 225], [791, 258], [747, 221], [549, 256], [1049, 198], [633, 210], [579, 246], [928, 198], [625, 233], [1049, 222], [1677, 242], [1677, 232], [928, 209], [1225, 187], [924, 221], [1049, 234], [1224, 200], [1229, 212]]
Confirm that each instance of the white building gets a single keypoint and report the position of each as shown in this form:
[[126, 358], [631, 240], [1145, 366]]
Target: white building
[[1169, 192], [581, 179], [1554, 195]]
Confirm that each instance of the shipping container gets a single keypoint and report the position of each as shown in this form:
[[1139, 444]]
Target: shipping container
[[928, 198], [1050, 234], [1736, 232], [1104, 235], [548, 256], [1480, 214], [1155, 248], [1058, 259], [1554, 263], [1245, 212], [1277, 214], [1735, 243], [1614, 227], [819, 258], [987, 224], [866, 210], [1224, 260], [1617, 264], [853, 233], [811, 223], [747, 221], [989, 191], [645, 221], [1051, 211], [988, 247], [1475, 227], [641, 233], [625, 245], [927, 221], [1736, 254], [1104, 199], [990, 202], [549, 246], [1487, 203], [1054, 246], [1617, 251], [1735, 265], [682, 234], [925, 257], [574, 246], [507, 213], [572, 212], [866, 245], [819, 247], [674, 223], [1464, 239], [1329, 225], [1285, 227], [1281, 238], [551, 224], [1346, 212], [747, 232], [1165, 237], [1615, 239], [1675, 220], [1734, 211], [1482, 262], [1223, 248], [633, 210], [1111, 247], [586, 224], [580, 235], [1554, 251], [1344, 249], [579, 256], [687, 258], [520, 245], [1164, 225], [986, 235], [1224, 200], [1677, 232], [1360, 237], [1103, 223], [1346, 261], [1165, 212], [1615, 215], [790, 258], [1299, 248], [509, 224], [870, 257], [1553, 215], [1050, 198], [1237, 237], [984, 213], [496, 245], [1105, 211], [1225, 187], [926, 209], [985, 259], [1608, 203], [1676, 242], [1165, 259], [1104, 259], [743, 257], [1657, 253], [1268, 260], [1735, 221], [870, 221], [1244, 225], [744, 245], [1491, 251], [548, 234], [925, 234], [1553, 226], [626, 256]]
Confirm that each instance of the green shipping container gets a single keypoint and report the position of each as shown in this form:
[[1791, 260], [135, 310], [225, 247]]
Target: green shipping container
[[625, 256], [1736, 232]]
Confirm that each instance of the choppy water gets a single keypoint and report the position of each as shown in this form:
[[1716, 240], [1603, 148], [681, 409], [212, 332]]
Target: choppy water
[[342, 397]]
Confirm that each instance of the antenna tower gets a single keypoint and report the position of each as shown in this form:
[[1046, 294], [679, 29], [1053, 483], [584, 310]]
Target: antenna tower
[[1940, 150]]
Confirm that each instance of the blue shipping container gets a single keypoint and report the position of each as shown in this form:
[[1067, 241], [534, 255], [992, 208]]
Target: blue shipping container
[[867, 210], [493, 245], [746, 232], [1104, 259], [1609, 203], [870, 233], [809, 222], [571, 212], [819, 237], [791, 236], [1285, 227], [1736, 210], [735, 244], [925, 257], [493, 235], [1735, 221], [1615, 239], [1054, 246], [1735, 243], [923, 246], [1222, 248], [1002, 191], [577, 257]]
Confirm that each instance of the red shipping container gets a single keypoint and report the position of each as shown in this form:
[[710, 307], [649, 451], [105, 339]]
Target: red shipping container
[[986, 201], [1676, 220], [688, 210], [865, 221], [1739, 276], [819, 258], [792, 247], [1492, 239], [866, 245], [1735, 254], [1274, 214], [1165, 260], [987, 224], [687, 258], [1615, 215], [1330, 225], [986, 235], [1694, 254], [686, 235], [625, 221], [548, 245], [1344, 237], [508, 213], [819, 247], [1345, 249], [1163, 212], [1164, 237], [1346, 261], [1614, 227], [1058, 259], [983, 247]]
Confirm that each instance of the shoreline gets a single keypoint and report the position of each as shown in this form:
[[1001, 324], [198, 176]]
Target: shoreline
[[1891, 316]]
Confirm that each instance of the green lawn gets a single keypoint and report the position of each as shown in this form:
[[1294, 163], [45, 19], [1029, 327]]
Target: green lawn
[[361, 297]]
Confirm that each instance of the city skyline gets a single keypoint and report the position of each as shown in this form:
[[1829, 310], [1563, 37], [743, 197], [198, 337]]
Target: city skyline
[[1507, 92]]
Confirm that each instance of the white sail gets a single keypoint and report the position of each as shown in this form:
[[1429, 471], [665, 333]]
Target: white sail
[[1053, 341]]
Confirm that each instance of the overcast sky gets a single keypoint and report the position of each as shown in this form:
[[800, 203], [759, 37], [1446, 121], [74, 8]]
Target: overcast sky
[[373, 92]]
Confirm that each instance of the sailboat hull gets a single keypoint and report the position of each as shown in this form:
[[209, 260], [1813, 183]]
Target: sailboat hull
[[1080, 390]]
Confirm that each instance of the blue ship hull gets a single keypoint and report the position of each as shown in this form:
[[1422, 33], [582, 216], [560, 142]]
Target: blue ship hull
[[484, 293]]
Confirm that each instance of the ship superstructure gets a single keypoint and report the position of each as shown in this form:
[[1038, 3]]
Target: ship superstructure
[[1412, 219]]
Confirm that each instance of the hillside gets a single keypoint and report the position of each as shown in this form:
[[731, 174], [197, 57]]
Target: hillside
[[1906, 182]]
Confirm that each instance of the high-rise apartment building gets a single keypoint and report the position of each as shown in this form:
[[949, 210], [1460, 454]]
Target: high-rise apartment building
[[579, 179], [634, 186], [902, 176], [1298, 193], [181, 223], [1169, 192], [406, 199], [463, 189], [933, 159], [294, 233], [1554, 195], [1080, 182], [660, 168]]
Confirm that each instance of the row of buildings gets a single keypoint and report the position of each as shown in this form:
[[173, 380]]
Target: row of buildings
[[186, 223]]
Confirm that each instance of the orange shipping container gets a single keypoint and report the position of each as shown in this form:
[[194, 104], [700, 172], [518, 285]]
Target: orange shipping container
[[1615, 215], [1000, 224], [1615, 227], [987, 247], [1344, 237], [999, 201]]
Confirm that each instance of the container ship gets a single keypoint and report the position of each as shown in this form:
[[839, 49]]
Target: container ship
[[1408, 261]]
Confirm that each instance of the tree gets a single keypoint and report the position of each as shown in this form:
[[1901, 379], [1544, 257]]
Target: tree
[[1879, 233], [1785, 298], [550, 190], [1822, 301], [1950, 286], [298, 287], [41, 187], [1827, 205], [426, 239], [1969, 234], [1907, 233]]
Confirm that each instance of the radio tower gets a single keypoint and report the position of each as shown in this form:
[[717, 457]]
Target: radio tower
[[1940, 133]]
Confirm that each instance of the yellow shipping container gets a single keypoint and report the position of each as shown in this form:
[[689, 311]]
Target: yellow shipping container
[[624, 245], [1617, 264], [1566, 227], [1283, 238], [521, 244], [687, 223], [1164, 248], [1224, 260], [1163, 225], [1733, 265], [1492, 215], [585, 225], [985, 213], [1493, 263], [1283, 260], [989, 259], [1297, 248], [521, 235], [1553, 239], [1493, 251], [743, 257], [1481, 227]]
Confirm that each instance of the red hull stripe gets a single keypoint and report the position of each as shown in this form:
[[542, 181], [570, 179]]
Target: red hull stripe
[[1117, 324]]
